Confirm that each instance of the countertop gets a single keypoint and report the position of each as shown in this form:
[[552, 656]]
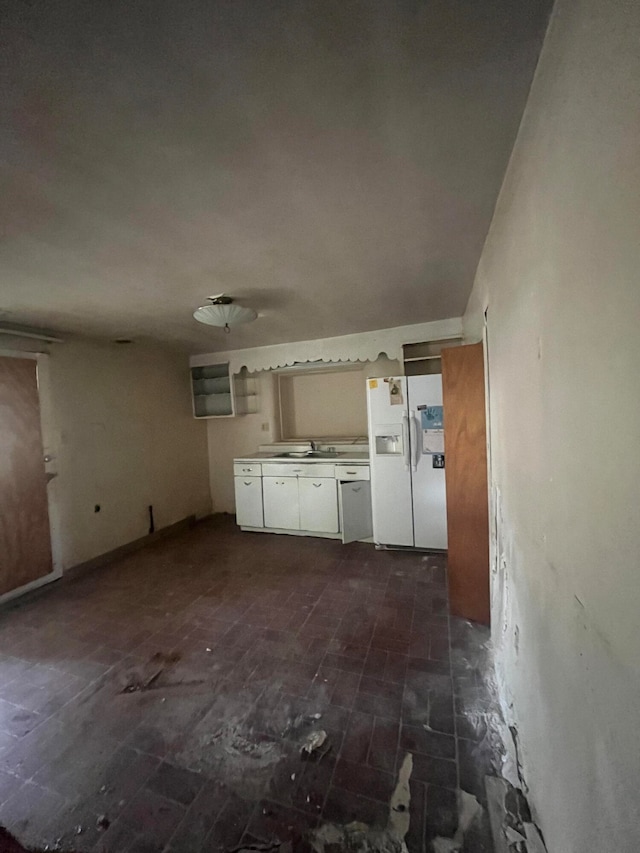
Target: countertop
[[347, 457]]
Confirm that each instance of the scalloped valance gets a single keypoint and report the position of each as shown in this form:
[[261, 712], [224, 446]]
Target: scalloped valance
[[363, 346]]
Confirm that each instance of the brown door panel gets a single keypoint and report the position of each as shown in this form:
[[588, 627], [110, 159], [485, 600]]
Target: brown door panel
[[466, 478], [25, 539]]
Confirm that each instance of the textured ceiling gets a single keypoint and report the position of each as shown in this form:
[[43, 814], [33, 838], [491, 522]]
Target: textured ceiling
[[332, 164]]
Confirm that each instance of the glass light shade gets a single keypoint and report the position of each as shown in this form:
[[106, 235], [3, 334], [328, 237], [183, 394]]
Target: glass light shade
[[224, 315]]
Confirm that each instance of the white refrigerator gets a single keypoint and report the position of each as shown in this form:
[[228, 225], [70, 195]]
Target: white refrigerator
[[406, 446]]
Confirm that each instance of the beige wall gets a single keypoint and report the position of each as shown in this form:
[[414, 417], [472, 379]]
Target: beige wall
[[118, 422], [323, 404], [330, 403], [560, 276]]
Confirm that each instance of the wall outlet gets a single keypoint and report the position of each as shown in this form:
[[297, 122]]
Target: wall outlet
[[265, 427]]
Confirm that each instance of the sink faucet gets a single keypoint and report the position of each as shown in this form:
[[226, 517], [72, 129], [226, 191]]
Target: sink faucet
[[313, 445]]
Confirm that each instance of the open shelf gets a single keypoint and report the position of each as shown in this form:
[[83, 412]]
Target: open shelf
[[212, 390], [424, 358], [218, 394]]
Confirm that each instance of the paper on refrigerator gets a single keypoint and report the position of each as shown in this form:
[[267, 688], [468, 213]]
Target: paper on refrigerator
[[432, 424]]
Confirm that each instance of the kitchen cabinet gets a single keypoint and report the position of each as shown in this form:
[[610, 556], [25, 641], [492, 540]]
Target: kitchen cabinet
[[247, 469], [351, 472], [318, 504], [249, 506], [212, 390], [297, 469], [217, 393], [304, 498], [281, 504], [355, 510]]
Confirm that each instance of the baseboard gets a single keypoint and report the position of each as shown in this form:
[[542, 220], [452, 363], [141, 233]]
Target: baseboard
[[39, 587], [129, 548], [33, 587]]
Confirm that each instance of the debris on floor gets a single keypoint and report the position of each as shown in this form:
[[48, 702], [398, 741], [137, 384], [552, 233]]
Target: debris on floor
[[245, 761], [357, 837], [9, 844], [511, 824], [301, 642], [267, 847], [517, 760], [313, 742], [469, 810], [399, 815], [237, 746], [535, 842], [140, 680]]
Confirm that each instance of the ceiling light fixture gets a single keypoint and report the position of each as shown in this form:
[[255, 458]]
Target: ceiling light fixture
[[223, 311]]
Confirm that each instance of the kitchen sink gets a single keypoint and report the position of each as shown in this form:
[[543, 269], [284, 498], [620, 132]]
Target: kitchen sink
[[308, 454]]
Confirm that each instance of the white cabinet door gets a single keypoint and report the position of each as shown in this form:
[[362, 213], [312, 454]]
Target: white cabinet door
[[249, 501], [318, 504], [281, 508], [355, 511]]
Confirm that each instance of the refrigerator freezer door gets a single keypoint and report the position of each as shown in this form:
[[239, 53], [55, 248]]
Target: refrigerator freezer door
[[389, 457], [428, 483]]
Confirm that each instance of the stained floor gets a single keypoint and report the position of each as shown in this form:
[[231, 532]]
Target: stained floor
[[161, 703]]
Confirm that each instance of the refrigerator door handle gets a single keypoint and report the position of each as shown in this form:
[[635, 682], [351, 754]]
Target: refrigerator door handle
[[415, 450], [406, 446]]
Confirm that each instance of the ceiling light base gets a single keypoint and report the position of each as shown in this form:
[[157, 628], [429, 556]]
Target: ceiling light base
[[222, 311]]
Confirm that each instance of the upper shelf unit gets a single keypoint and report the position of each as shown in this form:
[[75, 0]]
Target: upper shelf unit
[[425, 357], [217, 393]]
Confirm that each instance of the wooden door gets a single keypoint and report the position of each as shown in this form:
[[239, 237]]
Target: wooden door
[[466, 479], [25, 538]]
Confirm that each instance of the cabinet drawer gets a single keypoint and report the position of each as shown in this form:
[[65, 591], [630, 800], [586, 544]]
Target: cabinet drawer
[[247, 469], [352, 472], [278, 469], [296, 469], [315, 470]]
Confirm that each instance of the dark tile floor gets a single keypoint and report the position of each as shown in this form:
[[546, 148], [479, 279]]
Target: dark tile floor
[[161, 703]]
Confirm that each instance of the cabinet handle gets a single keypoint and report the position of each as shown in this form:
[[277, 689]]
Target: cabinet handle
[[246, 484], [358, 489], [297, 470], [317, 485], [352, 472]]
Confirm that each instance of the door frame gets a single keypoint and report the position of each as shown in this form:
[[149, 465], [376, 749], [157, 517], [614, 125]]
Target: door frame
[[50, 445], [491, 496]]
